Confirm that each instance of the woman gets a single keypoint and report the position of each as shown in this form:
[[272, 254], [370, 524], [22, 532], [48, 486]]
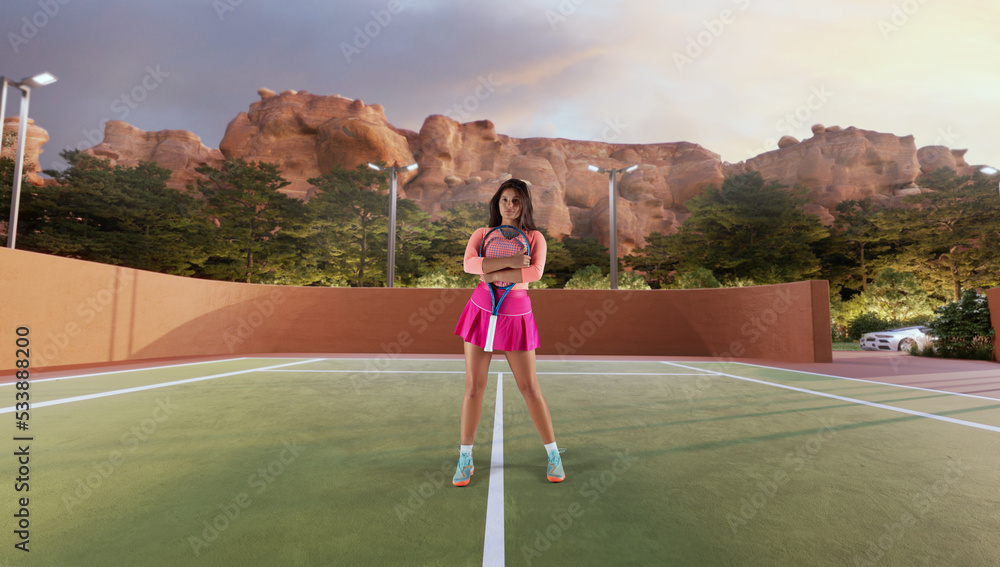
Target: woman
[[516, 333]]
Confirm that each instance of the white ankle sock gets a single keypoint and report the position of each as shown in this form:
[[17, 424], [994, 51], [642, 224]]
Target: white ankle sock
[[549, 447], [465, 448]]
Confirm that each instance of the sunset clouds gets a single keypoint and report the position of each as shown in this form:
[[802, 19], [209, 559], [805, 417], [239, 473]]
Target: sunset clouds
[[731, 75]]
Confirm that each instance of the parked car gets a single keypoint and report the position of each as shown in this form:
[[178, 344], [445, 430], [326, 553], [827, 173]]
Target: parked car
[[896, 339]]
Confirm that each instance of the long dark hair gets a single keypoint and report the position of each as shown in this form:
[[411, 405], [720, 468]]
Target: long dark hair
[[527, 221]]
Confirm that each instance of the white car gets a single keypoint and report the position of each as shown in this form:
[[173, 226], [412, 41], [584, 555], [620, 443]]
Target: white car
[[896, 339]]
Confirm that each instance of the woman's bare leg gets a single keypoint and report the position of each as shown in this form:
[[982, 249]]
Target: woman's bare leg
[[477, 367], [522, 363]]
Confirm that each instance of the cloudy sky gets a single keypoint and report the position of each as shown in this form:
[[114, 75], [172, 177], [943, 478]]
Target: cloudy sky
[[731, 75]]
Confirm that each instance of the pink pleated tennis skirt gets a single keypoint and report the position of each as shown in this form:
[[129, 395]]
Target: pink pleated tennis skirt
[[516, 329]]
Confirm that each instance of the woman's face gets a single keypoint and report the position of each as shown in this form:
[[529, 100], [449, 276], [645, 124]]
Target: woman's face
[[510, 206]]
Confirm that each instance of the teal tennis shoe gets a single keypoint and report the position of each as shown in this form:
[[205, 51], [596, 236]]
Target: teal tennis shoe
[[465, 469], [555, 471]]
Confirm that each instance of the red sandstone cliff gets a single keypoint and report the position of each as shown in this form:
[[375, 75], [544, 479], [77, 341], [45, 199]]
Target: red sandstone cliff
[[306, 135], [177, 150], [36, 137]]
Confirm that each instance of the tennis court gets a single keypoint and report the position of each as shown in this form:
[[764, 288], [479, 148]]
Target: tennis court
[[348, 461]]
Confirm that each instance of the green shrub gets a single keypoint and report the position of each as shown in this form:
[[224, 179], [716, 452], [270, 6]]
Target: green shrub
[[631, 280], [698, 278], [545, 283], [838, 333], [842, 311], [440, 277], [868, 322], [898, 296], [962, 328], [593, 277], [590, 277], [736, 281]]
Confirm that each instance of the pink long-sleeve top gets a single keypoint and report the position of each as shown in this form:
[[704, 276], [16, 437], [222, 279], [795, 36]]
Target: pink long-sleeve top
[[474, 264]]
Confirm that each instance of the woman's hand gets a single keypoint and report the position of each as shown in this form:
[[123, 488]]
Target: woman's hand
[[518, 261]]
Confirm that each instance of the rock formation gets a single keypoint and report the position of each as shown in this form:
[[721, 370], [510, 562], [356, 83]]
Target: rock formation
[[307, 135], [936, 157], [177, 150], [787, 141], [838, 165], [36, 137], [462, 163]]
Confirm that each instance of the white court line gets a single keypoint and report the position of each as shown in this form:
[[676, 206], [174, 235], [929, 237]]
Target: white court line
[[703, 373], [857, 401], [374, 371], [148, 387], [458, 358], [493, 545], [34, 380], [875, 382]]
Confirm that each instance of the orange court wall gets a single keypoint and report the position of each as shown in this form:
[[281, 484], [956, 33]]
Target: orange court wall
[[81, 313]]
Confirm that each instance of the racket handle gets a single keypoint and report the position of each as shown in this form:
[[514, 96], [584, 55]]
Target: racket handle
[[490, 333]]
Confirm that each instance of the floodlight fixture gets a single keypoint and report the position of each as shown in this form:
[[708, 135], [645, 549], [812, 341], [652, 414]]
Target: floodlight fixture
[[40, 80]]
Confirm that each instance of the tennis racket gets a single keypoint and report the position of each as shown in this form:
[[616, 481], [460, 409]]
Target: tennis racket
[[501, 242]]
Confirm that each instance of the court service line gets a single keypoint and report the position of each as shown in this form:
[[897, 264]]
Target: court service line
[[493, 544], [703, 373], [148, 387], [629, 373], [371, 371], [35, 380], [857, 401], [876, 382]]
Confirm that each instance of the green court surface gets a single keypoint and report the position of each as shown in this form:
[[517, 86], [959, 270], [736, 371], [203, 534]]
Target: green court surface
[[349, 461]]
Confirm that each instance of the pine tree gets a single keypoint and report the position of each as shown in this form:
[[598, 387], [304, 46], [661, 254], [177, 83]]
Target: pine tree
[[655, 259], [258, 237], [858, 239], [119, 215], [950, 236], [749, 228]]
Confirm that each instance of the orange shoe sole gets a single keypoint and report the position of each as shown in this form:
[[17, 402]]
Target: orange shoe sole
[[465, 482]]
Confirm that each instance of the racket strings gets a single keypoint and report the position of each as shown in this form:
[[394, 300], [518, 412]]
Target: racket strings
[[501, 246], [509, 232]]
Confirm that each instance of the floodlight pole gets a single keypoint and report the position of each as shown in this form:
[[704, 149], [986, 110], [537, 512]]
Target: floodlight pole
[[22, 134], [22, 131], [613, 215], [391, 270]]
